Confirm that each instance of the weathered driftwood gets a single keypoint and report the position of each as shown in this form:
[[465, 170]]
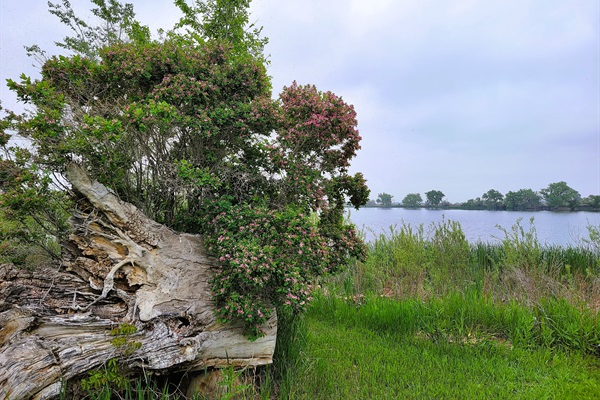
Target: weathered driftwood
[[118, 267]]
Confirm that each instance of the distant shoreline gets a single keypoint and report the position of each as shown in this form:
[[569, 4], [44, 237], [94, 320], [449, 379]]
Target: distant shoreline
[[458, 207]]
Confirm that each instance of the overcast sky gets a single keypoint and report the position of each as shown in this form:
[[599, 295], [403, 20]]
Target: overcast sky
[[460, 96]]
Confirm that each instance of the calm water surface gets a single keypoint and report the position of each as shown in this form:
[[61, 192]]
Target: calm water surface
[[553, 228]]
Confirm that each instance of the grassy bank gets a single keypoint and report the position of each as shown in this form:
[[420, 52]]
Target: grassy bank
[[383, 349], [429, 315]]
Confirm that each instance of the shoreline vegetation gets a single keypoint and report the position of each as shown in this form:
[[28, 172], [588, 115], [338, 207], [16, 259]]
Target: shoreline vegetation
[[464, 206], [557, 196], [430, 315]]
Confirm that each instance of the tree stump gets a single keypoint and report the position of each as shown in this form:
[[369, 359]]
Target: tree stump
[[118, 267]]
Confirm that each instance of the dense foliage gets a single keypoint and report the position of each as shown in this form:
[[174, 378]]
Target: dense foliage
[[412, 200], [384, 199], [186, 129], [556, 196], [559, 194], [434, 198]]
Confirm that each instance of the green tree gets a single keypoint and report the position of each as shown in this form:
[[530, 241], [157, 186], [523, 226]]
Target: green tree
[[190, 134], [116, 24], [434, 198], [473, 204], [559, 194], [523, 199], [385, 199], [412, 200], [592, 201], [225, 20], [492, 199]]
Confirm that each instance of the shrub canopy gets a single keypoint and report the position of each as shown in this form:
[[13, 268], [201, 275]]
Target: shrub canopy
[[189, 133]]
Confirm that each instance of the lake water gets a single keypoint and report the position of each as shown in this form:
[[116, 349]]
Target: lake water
[[553, 228]]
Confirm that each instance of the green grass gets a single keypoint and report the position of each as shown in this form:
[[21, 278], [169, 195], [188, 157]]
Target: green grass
[[553, 323], [429, 315], [377, 351]]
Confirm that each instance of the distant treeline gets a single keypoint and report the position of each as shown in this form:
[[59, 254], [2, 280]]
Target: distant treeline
[[557, 196]]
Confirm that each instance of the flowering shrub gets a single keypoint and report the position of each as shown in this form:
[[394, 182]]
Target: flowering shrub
[[190, 134], [267, 257]]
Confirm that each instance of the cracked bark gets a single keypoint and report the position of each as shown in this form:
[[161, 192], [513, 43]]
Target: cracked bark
[[118, 267]]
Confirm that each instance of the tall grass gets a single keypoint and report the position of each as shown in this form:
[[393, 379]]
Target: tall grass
[[457, 347], [470, 317], [429, 315], [410, 262]]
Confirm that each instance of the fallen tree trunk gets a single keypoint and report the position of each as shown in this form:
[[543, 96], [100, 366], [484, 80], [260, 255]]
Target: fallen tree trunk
[[119, 267]]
